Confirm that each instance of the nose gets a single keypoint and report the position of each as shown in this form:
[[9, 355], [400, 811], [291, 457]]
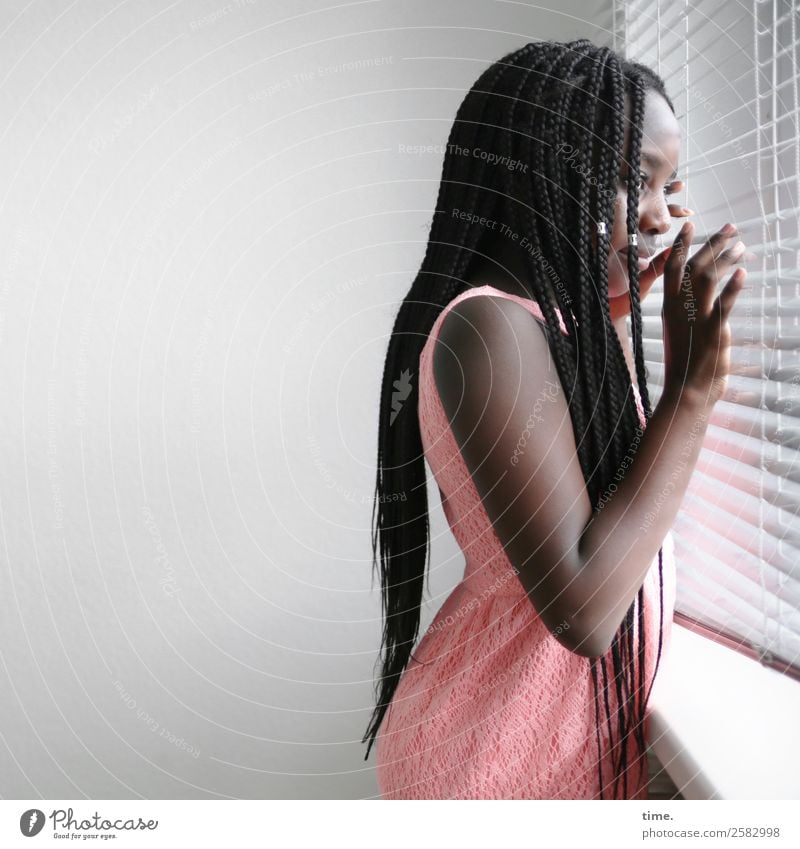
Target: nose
[[654, 216]]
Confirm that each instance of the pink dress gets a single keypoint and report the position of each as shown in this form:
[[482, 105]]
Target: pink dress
[[491, 705]]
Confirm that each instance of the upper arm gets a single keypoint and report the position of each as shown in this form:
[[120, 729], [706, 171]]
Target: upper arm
[[503, 397]]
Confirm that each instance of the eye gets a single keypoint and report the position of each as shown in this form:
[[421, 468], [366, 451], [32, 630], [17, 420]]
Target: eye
[[669, 189]]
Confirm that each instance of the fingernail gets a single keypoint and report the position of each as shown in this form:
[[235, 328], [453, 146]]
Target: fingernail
[[688, 211], [728, 228]]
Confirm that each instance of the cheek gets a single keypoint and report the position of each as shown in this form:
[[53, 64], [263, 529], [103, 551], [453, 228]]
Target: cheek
[[620, 232]]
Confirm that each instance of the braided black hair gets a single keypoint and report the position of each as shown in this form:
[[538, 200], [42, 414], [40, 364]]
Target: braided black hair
[[528, 105]]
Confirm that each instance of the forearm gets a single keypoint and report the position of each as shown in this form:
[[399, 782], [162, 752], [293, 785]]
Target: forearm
[[619, 543]]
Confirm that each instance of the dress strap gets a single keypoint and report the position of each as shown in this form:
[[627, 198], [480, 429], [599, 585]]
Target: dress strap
[[528, 303]]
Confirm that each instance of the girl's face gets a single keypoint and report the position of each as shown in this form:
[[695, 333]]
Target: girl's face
[[657, 180]]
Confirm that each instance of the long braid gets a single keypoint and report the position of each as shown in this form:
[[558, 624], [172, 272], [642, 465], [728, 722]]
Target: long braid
[[637, 113], [590, 311], [566, 132], [607, 171], [522, 214], [547, 188], [584, 320], [622, 645], [592, 349], [404, 521], [637, 96], [532, 93], [633, 272], [566, 194]]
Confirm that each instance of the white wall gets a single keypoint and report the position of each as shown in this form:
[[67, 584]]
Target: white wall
[[204, 241]]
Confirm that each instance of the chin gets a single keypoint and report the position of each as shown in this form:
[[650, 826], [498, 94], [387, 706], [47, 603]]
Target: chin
[[618, 289]]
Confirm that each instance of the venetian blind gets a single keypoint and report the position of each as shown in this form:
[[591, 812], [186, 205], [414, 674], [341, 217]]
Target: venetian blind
[[731, 70]]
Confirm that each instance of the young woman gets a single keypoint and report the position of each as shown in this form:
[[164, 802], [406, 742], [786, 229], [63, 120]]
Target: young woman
[[558, 480]]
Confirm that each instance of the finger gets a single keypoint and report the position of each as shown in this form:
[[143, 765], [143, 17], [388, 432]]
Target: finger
[[660, 259], [727, 297], [655, 269], [678, 211], [711, 249], [719, 266], [709, 265], [676, 260], [736, 253]]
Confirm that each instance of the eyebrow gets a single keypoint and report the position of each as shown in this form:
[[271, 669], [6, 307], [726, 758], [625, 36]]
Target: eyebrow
[[656, 162]]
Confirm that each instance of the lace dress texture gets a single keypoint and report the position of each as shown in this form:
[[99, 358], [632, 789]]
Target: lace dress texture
[[491, 705]]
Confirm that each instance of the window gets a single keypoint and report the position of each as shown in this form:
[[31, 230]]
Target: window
[[731, 70]]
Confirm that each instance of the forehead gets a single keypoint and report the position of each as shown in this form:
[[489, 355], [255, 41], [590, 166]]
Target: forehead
[[661, 134]]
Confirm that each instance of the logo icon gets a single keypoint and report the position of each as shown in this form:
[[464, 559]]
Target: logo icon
[[403, 387], [31, 822]]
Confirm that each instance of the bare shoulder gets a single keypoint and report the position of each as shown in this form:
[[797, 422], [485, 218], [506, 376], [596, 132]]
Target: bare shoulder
[[484, 333], [501, 393]]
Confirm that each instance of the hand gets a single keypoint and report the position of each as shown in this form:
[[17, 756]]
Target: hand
[[621, 305], [697, 334]]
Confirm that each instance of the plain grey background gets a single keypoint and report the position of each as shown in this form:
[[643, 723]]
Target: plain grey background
[[208, 224]]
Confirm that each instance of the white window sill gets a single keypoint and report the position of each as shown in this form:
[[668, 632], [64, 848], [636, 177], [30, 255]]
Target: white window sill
[[722, 725]]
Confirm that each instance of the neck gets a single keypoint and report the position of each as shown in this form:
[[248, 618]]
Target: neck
[[505, 273]]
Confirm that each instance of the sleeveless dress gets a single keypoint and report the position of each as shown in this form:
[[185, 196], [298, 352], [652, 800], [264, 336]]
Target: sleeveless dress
[[491, 705]]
